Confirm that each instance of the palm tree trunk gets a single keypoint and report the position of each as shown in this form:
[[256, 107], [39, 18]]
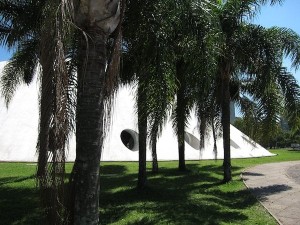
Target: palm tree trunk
[[142, 125], [51, 187], [202, 130], [180, 108], [226, 126], [45, 116], [154, 154], [181, 150], [214, 137], [89, 129]]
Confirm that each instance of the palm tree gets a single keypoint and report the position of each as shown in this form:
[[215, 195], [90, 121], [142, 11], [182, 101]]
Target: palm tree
[[163, 47], [27, 26], [192, 42], [238, 55], [97, 20], [134, 71], [144, 59], [272, 89], [54, 95], [162, 89]]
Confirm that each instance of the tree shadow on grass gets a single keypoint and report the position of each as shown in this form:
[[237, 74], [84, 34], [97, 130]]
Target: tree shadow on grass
[[19, 205], [108, 170], [233, 199], [7, 180], [294, 150], [172, 197]]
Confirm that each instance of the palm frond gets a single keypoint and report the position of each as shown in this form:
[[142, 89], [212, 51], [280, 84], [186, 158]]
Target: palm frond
[[235, 9], [291, 93], [20, 69], [21, 19], [289, 42]]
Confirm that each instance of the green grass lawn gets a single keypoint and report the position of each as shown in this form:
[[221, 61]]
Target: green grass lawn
[[172, 197]]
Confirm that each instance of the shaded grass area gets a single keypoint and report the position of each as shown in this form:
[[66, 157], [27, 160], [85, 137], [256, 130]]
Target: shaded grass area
[[172, 197], [18, 197]]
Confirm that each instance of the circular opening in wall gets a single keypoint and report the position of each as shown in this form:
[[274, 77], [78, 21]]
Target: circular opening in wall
[[130, 139], [192, 140]]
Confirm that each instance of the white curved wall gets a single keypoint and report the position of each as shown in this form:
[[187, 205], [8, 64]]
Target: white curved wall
[[19, 124], [19, 131]]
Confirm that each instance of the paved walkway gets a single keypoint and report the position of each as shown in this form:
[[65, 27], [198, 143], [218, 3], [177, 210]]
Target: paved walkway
[[277, 187]]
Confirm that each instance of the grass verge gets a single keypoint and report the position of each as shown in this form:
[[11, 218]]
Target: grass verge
[[172, 197]]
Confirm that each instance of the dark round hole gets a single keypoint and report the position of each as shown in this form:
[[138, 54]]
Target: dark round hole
[[127, 139]]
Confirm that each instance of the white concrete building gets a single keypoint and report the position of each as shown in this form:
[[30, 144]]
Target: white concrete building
[[19, 133]]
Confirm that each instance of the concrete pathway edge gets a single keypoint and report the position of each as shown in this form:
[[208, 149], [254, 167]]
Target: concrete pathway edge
[[276, 186], [255, 196]]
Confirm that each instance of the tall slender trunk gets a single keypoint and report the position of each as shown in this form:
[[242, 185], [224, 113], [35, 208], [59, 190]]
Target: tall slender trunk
[[202, 130], [46, 100], [180, 113], [142, 126], [181, 150], [226, 125], [85, 181], [154, 153], [50, 178], [214, 137]]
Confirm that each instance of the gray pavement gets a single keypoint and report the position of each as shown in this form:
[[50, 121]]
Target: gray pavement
[[277, 187]]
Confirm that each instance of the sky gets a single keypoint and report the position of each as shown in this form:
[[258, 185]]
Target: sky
[[285, 15]]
